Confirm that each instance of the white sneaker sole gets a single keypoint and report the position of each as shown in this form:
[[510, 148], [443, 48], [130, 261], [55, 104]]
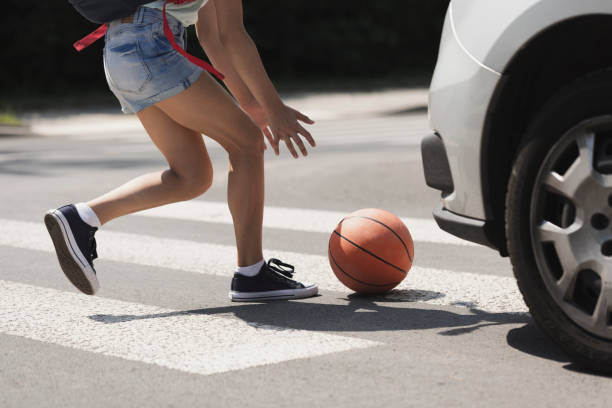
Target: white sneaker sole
[[285, 294], [71, 259]]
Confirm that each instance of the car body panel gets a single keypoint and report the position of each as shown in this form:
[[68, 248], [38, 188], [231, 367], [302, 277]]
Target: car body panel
[[459, 96], [479, 39], [492, 31]]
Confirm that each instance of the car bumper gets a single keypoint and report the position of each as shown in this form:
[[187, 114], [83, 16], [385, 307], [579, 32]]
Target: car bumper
[[438, 176], [470, 229], [460, 93]]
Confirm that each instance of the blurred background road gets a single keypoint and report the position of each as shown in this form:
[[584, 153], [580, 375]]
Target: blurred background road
[[162, 331]]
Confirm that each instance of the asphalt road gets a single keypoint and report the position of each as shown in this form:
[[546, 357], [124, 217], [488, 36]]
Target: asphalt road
[[162, 331]]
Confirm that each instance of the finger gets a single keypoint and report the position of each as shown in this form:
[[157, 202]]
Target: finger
[[307, 135], [268, 135], [276, 142], [298, 141], [291, 147], [305, 118]]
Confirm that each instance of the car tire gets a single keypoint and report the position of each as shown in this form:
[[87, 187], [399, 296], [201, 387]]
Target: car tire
[[555, 305]]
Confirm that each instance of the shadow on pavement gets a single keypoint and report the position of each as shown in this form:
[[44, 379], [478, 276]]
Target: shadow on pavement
[[360, 314], [581, 370], [371, 314], [531, 340]]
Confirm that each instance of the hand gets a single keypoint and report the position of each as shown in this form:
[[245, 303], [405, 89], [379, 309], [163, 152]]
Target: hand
[[284, 122], [260, 118]]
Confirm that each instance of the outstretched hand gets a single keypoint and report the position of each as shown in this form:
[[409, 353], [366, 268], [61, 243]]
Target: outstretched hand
[[283, 124]]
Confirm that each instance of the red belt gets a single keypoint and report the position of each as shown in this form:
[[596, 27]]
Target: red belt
[[101, 31]]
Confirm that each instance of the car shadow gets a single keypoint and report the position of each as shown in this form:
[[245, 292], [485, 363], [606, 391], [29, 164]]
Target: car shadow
[[531, 340]]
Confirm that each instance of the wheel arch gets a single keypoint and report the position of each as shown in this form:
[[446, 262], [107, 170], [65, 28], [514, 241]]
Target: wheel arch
[[554, 58]]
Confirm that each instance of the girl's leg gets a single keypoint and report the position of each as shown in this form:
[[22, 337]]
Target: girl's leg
[[207, 108], [190, 173]]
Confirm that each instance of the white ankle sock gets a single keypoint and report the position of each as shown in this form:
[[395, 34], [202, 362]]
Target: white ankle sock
[[251, 270], [88, 215]]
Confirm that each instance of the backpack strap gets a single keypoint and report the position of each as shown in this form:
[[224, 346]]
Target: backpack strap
[[194, 60], [91, 38], [101, 31]]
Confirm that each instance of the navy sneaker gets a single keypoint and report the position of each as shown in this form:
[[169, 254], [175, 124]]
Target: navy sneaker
[[75, 246], [273, 282]]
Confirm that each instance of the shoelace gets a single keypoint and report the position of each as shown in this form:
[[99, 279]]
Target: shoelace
[[92, 246], [281, 267]]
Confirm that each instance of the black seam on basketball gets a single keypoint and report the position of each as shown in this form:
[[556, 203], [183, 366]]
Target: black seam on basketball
[[355, 279], [370, 253], [387, 227]]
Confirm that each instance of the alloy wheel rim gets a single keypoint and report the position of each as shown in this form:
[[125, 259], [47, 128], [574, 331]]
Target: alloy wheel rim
[[571, 224]]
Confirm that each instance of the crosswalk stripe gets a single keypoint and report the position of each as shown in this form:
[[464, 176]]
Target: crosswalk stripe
[[110, 125], [190, 342], [442, 287], [296, 219], [379, 138], [404, 130]]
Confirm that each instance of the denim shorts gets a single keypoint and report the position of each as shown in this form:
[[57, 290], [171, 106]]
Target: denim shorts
[[141, 66]]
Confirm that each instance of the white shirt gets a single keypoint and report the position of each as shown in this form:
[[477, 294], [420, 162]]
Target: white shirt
[[186, 13]]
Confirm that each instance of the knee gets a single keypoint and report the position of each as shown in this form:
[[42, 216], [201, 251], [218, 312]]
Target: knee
[[251, 151], [250, 142], [196, 182]]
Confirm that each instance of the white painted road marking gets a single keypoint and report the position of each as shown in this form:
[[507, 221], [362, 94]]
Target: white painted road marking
[[442, 287], [194, 343], [387, 130], [296, 219]]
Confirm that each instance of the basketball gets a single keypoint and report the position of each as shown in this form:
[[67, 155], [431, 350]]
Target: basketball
[[371, 251]]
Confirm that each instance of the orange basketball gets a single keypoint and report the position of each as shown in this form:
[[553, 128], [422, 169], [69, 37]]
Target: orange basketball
[[371, 251]]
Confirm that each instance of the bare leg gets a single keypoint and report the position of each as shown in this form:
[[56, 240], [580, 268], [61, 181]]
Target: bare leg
[[190, 173], [206, 108]]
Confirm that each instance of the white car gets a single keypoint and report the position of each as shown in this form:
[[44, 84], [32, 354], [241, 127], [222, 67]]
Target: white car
[[521, 107]]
